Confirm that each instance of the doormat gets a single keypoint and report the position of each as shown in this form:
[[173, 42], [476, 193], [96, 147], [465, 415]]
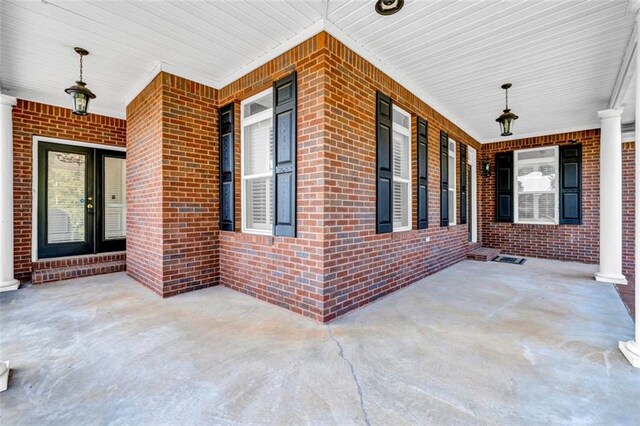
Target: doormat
[[507, 259]]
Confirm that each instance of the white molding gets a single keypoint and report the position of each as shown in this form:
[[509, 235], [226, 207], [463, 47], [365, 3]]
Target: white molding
[[34, 179], [400, 78], [610, 113], [8, 100], [306, 34], [139, 87], [472, 160], [63, 102], [626, 72], [180, 71]]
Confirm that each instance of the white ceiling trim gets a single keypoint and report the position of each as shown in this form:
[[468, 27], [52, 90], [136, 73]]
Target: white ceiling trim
[[627, 70], [399, 78], [308, 32], [139, 87], [29, 95]]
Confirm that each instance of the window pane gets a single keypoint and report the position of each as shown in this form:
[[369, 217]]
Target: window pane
[[452, 205], [525, 207], [65, 197], [400, 119], [258, 147], [401, 155], [261, 104], [115, 203], [537, 178], [258, 204], [452, 172], [400, 204]]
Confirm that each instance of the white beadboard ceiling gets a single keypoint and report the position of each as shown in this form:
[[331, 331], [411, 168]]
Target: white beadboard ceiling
[[562, 56]]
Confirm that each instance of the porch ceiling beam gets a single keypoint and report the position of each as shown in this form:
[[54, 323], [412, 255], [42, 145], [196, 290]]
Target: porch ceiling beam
[[627, 68]]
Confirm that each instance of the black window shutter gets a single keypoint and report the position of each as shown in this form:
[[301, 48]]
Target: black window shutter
[[384, 165], [285, 96], [463, 183], [444, 178], [571, 185], [227, 161], [423, 174], [504, 187]]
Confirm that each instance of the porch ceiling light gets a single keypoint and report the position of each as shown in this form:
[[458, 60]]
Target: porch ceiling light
[[389, 7], [80, 94], [507, 118]]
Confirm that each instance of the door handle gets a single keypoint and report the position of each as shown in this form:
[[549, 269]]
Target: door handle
[[90, 204]]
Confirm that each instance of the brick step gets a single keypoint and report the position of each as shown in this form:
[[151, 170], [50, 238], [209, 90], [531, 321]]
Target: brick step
[[85, 259], [483, 254], [40, 276]]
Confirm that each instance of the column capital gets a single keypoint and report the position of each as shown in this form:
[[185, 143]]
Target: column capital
[[7, 100], [610, 113]]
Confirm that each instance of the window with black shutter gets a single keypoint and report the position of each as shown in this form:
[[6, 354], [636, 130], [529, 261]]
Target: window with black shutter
[[384, 165], [571, 184], [423, 173], [504, 187], [227, 160], [444, 178], [284, 155]]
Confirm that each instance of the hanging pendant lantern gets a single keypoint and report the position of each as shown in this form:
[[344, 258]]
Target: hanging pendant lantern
[[507, 118], [80, 94]]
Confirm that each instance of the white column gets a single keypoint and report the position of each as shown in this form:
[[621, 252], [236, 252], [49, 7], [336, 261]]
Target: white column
[[610, 197], [7, 281], [631, 349]]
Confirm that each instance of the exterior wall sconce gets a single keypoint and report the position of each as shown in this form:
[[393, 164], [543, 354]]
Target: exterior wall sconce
[[80, 94], [486, 169], [507, 118], [388, 7]]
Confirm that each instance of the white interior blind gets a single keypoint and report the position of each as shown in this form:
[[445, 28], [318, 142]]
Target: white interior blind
[[401, 170], [257, 170], [536, 173], [115, 202]]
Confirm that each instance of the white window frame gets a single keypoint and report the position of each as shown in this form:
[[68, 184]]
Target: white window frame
[[405, 131], [453, 200], [515, 187], [244, 122]]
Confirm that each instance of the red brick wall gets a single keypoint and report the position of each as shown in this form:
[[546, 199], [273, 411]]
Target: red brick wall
[[144, 187], [172, 186], [287, 272], [563, 242], [189, 185], [35, 119], [360, 265]]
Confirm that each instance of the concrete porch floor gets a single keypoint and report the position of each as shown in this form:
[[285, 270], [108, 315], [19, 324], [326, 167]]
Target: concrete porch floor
[[477, 343]]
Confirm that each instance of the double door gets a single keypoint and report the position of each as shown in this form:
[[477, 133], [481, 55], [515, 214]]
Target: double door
[[81, 200]]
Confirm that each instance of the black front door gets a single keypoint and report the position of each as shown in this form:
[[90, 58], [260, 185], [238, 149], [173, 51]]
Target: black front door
[[81, 200]]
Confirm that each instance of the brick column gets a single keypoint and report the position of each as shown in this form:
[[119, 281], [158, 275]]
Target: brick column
[[7, 280], [172, 172]]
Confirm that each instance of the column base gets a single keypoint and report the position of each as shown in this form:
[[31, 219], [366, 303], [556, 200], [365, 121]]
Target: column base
[[611, 278], [9, 285], [631, 351]]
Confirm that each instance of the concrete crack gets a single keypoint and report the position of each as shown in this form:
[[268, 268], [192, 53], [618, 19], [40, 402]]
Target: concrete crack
[[353, 374]]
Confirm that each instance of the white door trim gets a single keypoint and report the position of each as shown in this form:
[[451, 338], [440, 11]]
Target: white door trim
[[472, 160], [34, 180]]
